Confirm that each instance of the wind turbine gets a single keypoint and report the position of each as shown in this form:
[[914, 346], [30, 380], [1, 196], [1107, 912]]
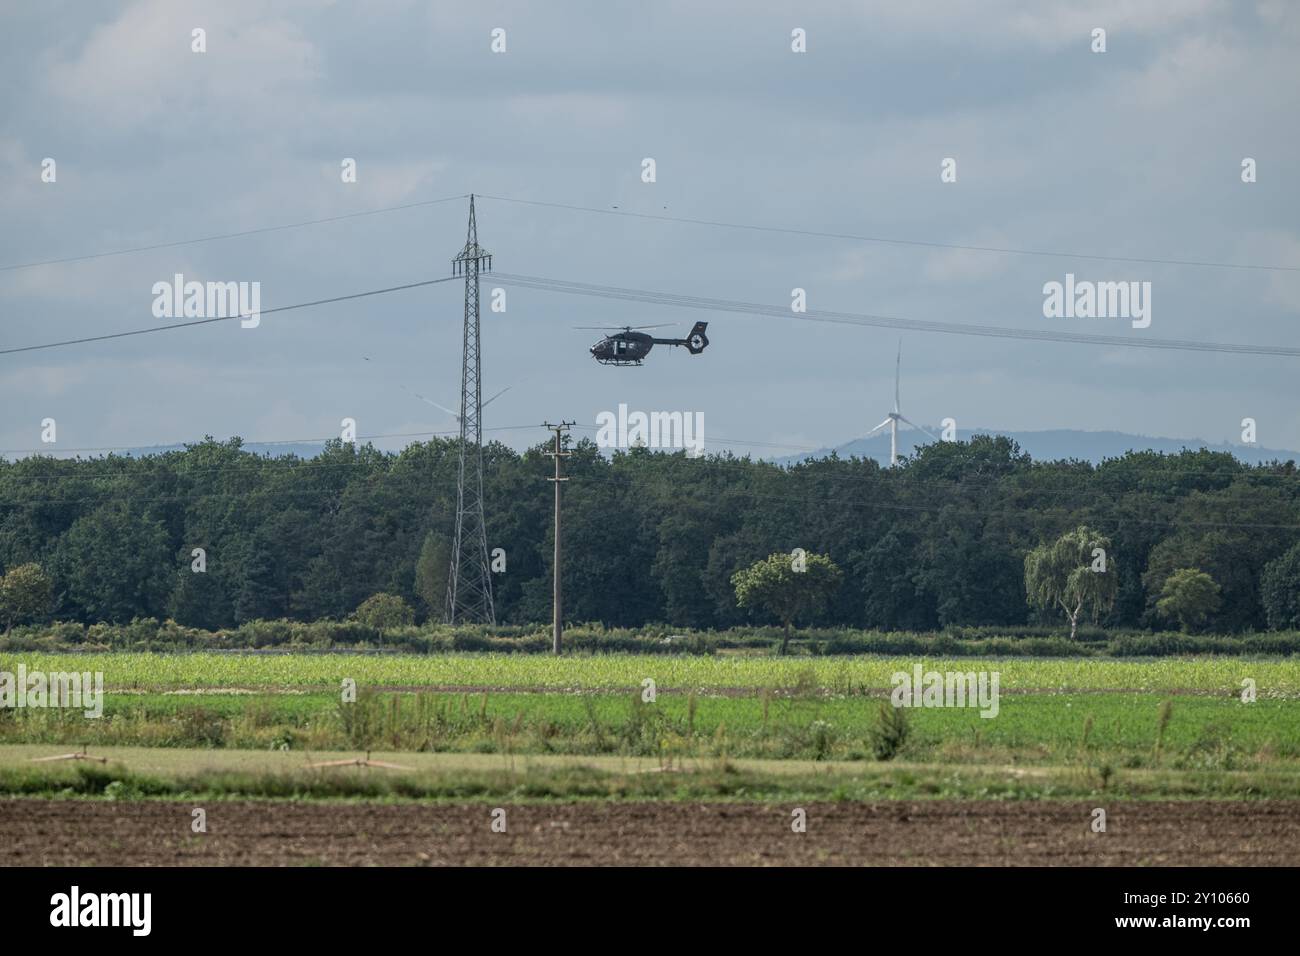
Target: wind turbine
[[444, 408], [897, 416]]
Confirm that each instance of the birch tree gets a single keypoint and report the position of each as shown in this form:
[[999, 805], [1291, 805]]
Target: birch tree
[[1072, 573]]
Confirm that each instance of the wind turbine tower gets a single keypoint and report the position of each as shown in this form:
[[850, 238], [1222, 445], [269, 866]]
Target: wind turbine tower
[[897, 416]]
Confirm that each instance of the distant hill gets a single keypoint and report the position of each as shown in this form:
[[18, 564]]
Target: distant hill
[[1052, 445]]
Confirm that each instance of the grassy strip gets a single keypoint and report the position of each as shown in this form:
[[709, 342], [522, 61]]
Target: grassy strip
[[718, 781], [1125, 730]]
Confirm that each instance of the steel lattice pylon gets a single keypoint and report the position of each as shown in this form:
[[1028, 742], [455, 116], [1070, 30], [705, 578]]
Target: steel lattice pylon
[[469, 586]]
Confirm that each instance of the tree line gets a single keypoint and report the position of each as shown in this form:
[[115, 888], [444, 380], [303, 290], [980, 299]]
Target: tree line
[[214, 536]]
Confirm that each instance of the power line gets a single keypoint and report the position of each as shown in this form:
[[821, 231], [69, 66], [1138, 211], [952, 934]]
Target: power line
[[748, 308], [684, 220], [890, 241], [735, 306], [44, 452], [881, 321], [228, 235], [225, 318]]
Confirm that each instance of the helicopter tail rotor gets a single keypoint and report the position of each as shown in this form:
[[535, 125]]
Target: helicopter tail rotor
[[697, 341]]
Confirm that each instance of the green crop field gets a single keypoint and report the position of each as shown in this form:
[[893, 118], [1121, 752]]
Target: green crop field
[[1088, 723], [1030, 728], [845, 675]]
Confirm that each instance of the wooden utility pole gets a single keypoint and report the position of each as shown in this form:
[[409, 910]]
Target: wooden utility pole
[[558, 454]]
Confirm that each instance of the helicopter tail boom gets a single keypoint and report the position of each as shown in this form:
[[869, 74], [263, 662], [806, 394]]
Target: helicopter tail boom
[[695, 343]]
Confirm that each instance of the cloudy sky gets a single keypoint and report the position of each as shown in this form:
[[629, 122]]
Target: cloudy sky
[[1135, 152]]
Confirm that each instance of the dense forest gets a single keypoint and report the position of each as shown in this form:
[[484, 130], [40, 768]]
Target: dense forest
[[938, 541]]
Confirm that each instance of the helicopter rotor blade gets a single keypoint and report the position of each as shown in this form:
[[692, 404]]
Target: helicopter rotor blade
[[621, 328]]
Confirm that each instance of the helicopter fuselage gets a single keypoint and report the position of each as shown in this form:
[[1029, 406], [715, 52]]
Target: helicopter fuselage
[[623, 348], [629, 347]]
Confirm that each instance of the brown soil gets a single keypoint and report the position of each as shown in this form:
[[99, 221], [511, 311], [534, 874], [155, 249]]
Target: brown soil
[[962, 833]]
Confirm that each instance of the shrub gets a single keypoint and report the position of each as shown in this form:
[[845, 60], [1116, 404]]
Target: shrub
[[384, 612], [890, 731]]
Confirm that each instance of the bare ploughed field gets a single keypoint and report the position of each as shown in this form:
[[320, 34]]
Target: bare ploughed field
[[961, 833]]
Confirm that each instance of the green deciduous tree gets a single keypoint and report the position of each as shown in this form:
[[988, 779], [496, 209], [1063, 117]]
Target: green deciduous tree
[[26, 594], [1280, 590], [1189, 596], [1072, 573], [385, 611], [115, 564], [1231, 534], [431, 571], [789, 588], [199, 600], [651, 536]]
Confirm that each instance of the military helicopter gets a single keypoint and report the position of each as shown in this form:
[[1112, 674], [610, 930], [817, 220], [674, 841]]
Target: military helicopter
[[630, 345]]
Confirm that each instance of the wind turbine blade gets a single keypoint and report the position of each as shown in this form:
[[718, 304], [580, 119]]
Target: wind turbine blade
[[416, 395], [497, 395], [443, 408], [898, 366], [884, 424], [919, 427]]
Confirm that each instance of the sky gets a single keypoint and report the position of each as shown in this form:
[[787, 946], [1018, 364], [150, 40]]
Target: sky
[[1134, 153]]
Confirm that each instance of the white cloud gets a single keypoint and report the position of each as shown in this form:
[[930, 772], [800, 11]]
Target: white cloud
[[140, 72], [1274, 247], [1044, 24], [1127, 154], [952, 265], [594, 110]]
